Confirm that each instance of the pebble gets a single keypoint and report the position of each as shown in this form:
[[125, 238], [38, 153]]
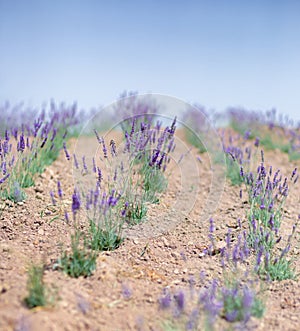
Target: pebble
[[39, 189], [41, 232], [4, 248], [176, 255], [165, 242], [39, 196]]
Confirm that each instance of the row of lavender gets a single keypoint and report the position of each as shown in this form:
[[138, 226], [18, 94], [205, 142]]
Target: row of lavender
[[252, 257], [30, 141], [258, 253]]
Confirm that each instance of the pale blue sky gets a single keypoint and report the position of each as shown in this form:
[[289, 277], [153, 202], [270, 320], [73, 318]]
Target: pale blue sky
[[216, 53]]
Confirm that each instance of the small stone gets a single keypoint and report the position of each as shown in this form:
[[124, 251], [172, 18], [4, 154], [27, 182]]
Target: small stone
[[47, 212], [20, 203], [165, 242], [39, 196], [5, 248], [4, 288], [176, 255], [135, 241], [39, 189], [176, 271], [41, 232], [9, 203]]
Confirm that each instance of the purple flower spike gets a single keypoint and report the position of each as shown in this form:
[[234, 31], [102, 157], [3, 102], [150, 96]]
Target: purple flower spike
[[75, 161], [75, 202], [256, 143], [66, 152], [113, 149], [211, 225], [52, 198], [21, 144], [165, 300], [104, 149], [59, 190], [2, 180], [294, 173], [180, 301]]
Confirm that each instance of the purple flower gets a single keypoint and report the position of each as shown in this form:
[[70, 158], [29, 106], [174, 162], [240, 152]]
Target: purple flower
[[2, 180], [104, 149], [99, 178], [59, 190], [256, 143], [66, 152], [165, 300], [85, 169], [52, 198], [211, 225], [21, 143], [231, 316], [113, 149], [94, 165], [67, 217], [43, 142], [75, 161], [242, 172], [180, 301], [126, 292], [97, 136], [75, 202], [294, 173]]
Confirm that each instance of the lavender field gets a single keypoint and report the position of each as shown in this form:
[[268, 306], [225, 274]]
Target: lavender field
[[130, 220]]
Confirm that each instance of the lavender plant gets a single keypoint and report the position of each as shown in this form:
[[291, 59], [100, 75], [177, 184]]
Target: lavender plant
[[131, 106], [81, 261], [38, 294], [27, 150], [233, 298], [267, 192], [147, 151], [275, 131]]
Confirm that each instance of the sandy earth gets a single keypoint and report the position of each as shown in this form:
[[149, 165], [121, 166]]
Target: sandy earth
[[166, 251]]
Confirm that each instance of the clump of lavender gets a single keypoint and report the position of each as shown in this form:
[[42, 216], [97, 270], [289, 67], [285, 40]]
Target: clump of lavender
[[27, 149], [267, 192], [106, 219], [147, 150], [80, 261], [234, 302], [131, 106], [274, 131]]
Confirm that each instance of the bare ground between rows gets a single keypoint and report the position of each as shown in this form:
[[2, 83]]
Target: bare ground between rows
[[144, 264]]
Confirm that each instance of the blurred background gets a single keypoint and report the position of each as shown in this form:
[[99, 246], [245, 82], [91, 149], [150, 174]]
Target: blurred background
[[217, 53]]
